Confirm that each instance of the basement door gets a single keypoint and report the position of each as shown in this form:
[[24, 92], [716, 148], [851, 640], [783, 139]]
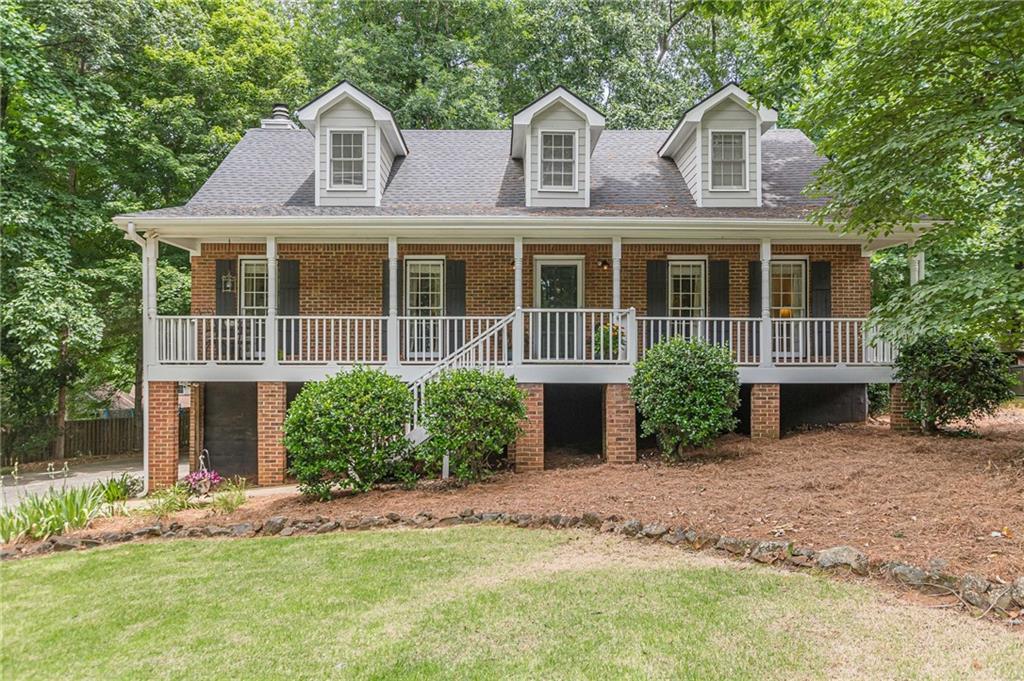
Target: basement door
[[230, 428]]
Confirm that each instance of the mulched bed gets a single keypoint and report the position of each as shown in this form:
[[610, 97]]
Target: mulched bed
[[906, 498]]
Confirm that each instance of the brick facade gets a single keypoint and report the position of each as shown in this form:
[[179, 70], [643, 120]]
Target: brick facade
[[163, 434], [619, 444], [270, 413], [764, 411], [898, 420], [527, 453]]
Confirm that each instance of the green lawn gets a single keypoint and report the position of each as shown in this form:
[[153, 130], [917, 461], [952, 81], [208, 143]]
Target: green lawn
[[480, 602]]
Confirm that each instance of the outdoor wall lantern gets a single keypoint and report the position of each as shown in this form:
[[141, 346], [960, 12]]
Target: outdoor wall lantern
[[604, 265], [227, 282]]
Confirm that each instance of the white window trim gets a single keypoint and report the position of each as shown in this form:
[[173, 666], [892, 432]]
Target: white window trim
[[577, 260], [405, 277], [242, 260], [746, 161], [330, 174], [575, 160], [703, 260], [806, 260]]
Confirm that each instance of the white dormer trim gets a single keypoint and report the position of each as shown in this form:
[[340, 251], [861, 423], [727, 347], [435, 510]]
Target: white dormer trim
[[309, 114], [522, 119], [766, 117]]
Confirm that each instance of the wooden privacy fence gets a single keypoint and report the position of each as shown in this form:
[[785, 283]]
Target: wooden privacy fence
[[98, 437]]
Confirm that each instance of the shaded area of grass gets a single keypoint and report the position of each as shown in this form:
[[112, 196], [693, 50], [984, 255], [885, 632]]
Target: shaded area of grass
[[480, 602]]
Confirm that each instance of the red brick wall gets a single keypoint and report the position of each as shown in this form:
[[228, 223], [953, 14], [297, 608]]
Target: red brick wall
[[270, 413], [619, 424], [527, 453], [163, 434], [195, 425], [764, 411], [898, 420], [346, 278]]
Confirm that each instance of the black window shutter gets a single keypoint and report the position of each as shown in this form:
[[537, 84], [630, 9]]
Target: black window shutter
[[754, 287], [657, 288], [227, 301], [455, 300], [385, 288], [754, 300], [821, 301], [288, 287], [718, 288], [455, 288]]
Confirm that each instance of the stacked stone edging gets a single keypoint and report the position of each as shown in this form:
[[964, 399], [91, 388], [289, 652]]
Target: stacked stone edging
[[972, 590]]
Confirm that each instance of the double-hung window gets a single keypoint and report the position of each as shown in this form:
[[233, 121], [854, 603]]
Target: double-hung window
[[686, 288], [348, 159], [789, 288], [253, 291], [424, 288], [558, 160], [728, 160]]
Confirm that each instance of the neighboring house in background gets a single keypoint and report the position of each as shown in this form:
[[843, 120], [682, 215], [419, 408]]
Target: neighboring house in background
[[556, 251]]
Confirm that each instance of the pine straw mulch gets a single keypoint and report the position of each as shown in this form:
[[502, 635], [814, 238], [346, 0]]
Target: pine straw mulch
[[906, 498]]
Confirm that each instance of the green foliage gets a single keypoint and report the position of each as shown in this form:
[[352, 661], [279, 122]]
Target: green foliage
[[878, 398], [121, 488], [229, 496], [55, 512], [687, 393], [471, 415], [171, 500], [953, 378], [348, 430]]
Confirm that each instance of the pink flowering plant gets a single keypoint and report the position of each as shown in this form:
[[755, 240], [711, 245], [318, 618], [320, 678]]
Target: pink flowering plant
[[201, 483]]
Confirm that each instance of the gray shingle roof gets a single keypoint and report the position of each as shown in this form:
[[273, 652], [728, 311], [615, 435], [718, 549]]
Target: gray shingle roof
[[469, 172]]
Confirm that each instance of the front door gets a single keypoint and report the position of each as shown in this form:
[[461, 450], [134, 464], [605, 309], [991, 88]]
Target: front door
[[558, 290]]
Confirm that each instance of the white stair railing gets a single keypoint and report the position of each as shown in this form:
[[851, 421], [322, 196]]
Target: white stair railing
[[489, 350]]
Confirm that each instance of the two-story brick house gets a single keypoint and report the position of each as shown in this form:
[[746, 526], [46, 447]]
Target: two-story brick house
[[557, 251]]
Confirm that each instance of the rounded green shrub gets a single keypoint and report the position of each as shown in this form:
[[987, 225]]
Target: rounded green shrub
[[348, 431], [687, 393], [471, 415], [949, 378]]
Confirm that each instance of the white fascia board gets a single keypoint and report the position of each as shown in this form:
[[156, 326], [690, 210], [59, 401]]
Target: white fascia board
[[309, 114], [521, 121]]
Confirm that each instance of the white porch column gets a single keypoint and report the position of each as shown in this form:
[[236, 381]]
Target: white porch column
[[616, 272], [766, 303], [270, 338], [393, 340], [149, 326], [517, 321], [916, 262]]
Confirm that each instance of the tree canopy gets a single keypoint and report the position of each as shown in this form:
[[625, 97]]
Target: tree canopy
[[115, 105]]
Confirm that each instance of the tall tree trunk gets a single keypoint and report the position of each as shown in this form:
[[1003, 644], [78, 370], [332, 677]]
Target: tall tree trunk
[[61, 420]]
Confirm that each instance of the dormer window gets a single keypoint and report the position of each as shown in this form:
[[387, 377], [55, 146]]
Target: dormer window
[[558, 161], [348, 159], [728, 160]]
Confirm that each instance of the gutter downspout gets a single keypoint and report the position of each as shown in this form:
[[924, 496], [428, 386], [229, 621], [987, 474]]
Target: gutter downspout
[[132, 235]]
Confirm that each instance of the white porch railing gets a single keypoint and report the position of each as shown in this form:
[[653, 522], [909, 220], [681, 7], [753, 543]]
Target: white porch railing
[[211, 339], [425, 340], [344, 339], [586, 336], [832, 341], [738, 334], [578, 336]]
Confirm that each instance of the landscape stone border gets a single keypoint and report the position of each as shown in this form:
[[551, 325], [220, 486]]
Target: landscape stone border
[[973, 591]]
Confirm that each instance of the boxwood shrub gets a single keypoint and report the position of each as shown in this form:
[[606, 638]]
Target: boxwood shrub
[[948, 378], [471, 415], [687, 393], [348, 431]]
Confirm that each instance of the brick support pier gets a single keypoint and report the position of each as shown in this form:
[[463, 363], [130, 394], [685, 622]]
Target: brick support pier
[[527, 453], [270, 412], [163, 434], [764, 411], [619, 445], [195, 425], [898, 421]]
